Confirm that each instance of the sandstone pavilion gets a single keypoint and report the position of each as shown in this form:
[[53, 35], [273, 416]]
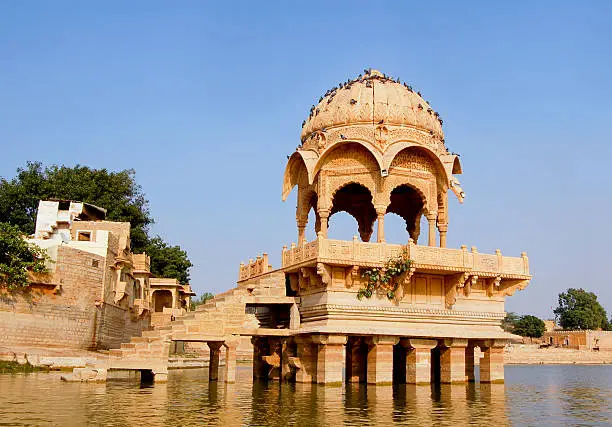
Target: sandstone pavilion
[[359, 311]]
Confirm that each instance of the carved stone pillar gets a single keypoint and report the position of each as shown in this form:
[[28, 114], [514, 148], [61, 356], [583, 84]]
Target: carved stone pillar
[[330, 358], [323, 219], [213, 363], [431, 219], [418, 360], [442, 229], [452, 360], [380, 359], [492, 363], [230, 361], [301, 226], [307, 360], [356, 361], [380, 216]]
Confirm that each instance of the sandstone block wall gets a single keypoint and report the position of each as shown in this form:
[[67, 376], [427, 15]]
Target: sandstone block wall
[[70, 315]]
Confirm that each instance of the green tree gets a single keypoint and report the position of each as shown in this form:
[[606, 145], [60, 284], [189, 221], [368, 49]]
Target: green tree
[[529, 326], [509, 322], [170, 261], [18, 258], [201, 300], [579, 309], [117, 192]]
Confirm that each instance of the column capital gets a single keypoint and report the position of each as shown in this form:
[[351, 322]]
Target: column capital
[[454, 342], [329, 339], [214, 345], [382, 339], [483, 344], [419, 343]]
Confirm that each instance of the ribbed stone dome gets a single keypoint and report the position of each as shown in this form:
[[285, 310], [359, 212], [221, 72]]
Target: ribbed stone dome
[[372, 98]]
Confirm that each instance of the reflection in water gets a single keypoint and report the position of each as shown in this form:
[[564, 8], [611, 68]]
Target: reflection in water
[[532, 395]]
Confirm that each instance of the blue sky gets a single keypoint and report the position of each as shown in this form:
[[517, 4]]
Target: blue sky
[[205, 101]]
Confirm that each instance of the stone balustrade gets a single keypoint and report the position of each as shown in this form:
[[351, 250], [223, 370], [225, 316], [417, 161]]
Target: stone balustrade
[[254, 268], [368, 254]]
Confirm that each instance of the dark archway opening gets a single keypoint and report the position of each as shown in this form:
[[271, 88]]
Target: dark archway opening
[[399, 364], [162, 299], [408, 204], [356, 200]]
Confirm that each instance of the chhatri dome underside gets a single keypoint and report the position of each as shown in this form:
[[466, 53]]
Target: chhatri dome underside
[[356, 310]]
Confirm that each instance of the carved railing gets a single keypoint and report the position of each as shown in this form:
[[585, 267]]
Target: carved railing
[[355, 252], [254, 268]]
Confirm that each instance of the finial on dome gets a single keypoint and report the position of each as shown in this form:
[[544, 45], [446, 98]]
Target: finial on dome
[[373, 74]]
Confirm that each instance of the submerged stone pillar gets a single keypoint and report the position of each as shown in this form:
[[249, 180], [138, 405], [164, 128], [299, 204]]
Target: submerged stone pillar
[[418, 360], [306, 364], [469, 362], [230, 361], [330, 358], [492, 363], [380, 359], [213, 363], [258, 353], [452, 360], [356, 361]]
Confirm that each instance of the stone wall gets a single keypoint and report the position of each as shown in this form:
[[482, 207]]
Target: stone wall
[[71, 313]]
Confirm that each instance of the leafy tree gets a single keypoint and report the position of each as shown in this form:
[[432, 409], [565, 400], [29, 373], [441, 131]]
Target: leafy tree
[[170, 261], [579, 309], [530, 326], [18, 258], [201, 300], [509, 322], [117, 192]]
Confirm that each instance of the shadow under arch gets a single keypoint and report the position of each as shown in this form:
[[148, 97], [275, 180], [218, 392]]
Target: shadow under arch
[[409, 204], [356, 200]]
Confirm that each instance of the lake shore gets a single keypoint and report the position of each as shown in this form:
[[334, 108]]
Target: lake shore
[[531, 354], [515, 354]]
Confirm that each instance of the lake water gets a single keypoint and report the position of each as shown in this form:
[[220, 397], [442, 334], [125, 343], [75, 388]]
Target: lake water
[[532, 395]]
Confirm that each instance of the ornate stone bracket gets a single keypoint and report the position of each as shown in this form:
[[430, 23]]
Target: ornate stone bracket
[[467, 288], [323, 270], [404, 281], [512, 286], [352, 276], [454, 283], [493, 285]]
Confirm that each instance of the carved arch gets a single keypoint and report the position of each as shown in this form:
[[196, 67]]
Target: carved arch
[[368, 146], [395, 148], [301, 163]]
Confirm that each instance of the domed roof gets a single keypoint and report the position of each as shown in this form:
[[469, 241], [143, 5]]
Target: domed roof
[[372, 98]]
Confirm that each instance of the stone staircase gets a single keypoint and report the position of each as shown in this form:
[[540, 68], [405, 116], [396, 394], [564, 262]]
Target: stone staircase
[[220, 320], [217, 320]]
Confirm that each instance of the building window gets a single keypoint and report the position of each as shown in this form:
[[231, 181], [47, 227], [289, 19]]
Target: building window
[[84, 236], [95, 263]]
